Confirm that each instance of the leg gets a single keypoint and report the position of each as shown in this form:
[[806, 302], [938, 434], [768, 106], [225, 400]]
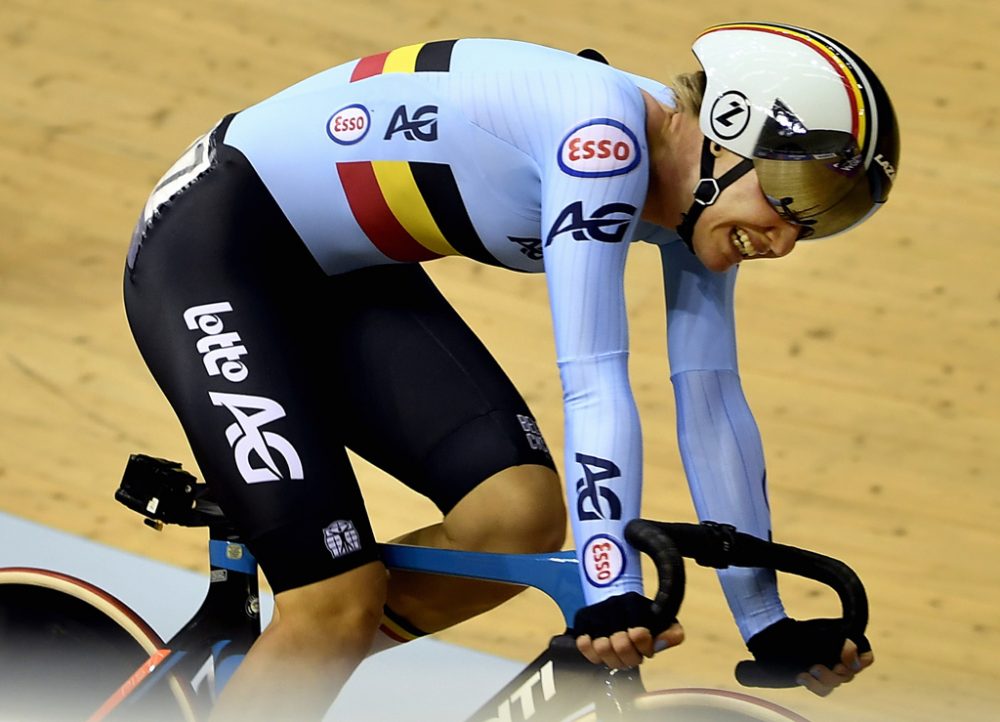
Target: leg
[[429, 404], [215, 297], [482, 521], [319, 635]]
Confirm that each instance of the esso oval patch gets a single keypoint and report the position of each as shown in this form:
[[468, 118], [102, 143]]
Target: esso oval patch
[[599, 148], [349, 124], [603, 560]]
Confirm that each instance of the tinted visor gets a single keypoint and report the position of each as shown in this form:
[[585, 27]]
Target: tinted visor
[[815, 179]]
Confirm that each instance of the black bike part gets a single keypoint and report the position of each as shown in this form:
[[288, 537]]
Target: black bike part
[[720, 545], [165, 493], [622, 611], [60, 657], [558, 684]]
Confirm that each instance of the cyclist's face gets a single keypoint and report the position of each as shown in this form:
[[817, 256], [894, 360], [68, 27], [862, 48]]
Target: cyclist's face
[[741, 225]]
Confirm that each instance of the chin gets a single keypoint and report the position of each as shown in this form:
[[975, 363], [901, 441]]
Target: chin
[[714, 261]]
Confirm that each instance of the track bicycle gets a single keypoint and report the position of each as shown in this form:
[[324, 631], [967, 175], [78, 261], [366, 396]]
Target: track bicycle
[[70, 651]]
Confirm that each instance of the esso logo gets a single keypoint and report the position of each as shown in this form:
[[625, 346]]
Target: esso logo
[[599, 148], [349, 124], [603, 560]]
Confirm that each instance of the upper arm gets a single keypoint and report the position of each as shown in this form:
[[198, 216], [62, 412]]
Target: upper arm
[[594, 184]]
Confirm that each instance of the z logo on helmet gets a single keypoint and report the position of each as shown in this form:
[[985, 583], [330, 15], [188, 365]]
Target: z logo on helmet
[[730, 115]]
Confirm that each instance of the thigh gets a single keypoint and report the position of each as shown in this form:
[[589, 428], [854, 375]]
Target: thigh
[[427, 401], [221, 298]]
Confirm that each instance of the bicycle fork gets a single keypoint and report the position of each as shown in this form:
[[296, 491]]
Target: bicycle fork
[[199, 660]]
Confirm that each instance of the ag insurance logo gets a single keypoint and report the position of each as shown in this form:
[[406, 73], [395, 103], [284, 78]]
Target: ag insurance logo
[[599, 148], [349, 124]]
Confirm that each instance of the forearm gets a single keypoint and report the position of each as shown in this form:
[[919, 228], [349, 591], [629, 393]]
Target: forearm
[[603, 464], [723, 458]]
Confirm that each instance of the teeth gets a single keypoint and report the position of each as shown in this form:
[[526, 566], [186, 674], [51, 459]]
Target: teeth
[[741, 239]]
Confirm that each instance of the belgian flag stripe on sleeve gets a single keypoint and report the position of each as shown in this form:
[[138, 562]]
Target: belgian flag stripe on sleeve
[[435, 57], [421, 58], [444, 200], [375, 217]]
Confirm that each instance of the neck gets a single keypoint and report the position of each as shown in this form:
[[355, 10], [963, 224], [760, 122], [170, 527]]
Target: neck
[[671, 135]]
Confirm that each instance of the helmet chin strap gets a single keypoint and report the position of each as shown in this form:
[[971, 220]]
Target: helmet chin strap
[[708, 190]]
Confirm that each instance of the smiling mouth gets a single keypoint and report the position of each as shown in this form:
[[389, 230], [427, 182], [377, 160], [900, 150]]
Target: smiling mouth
[[741, 239]]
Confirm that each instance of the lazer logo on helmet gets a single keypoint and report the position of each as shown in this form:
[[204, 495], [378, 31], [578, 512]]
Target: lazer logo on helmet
[[349, 124], [422, 125], [599, 148], [607, 224], [886, 166], [252, 446]]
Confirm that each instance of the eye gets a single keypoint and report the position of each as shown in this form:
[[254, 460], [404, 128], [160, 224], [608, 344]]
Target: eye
[[783, 207]]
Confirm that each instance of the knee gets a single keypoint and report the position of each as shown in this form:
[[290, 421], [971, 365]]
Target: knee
[[333, 618], [520, 510]]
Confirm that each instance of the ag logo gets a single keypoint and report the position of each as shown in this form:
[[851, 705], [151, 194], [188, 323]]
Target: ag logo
[[531, 247], [422, 125], [607, 224], [599, 148], [603, 560], [730, 115], [245, 436], [349, 124], [594, 501]]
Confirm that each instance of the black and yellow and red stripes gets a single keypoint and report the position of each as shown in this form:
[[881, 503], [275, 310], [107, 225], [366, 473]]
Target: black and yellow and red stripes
[[423, 57], [411, 211], [853, 84]]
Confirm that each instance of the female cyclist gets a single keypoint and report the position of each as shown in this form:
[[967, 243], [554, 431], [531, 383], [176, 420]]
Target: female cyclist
[[275, 291]]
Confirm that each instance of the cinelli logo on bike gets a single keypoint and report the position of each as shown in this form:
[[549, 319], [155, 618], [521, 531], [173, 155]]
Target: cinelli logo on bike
[[607, 224], [222, 354], [421, 125], [523, 698]]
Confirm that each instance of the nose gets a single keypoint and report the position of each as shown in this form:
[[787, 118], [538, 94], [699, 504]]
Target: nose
[[782, 238]]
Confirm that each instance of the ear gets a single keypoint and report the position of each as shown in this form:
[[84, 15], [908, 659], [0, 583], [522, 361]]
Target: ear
[[715, 149]]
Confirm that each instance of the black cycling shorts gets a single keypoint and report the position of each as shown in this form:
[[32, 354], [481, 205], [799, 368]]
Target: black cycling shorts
[[275, 368]]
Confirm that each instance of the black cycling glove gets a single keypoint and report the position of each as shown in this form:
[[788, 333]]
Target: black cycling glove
[[789, 647], [616, 614]]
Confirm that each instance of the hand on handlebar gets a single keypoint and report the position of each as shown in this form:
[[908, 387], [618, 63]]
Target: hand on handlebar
[[628, 648], [812, 653], [822, 680]]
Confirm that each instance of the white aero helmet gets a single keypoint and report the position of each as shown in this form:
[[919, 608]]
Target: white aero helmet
[[809, 114]]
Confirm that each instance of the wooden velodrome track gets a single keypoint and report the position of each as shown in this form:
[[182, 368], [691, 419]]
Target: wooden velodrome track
[[869, 360]]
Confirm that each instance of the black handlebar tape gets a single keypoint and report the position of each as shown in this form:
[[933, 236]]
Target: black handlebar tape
[[719, 546], [656, 543], [753, 674]]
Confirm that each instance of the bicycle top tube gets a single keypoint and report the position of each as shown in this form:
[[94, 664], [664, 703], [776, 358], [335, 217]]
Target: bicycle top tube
[[556, 573]]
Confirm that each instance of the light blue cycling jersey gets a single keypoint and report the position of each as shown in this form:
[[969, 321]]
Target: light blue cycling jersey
[[535, 160]]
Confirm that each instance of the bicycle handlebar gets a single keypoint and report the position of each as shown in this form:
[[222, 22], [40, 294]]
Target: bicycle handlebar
[[651, 539], [721, 546]]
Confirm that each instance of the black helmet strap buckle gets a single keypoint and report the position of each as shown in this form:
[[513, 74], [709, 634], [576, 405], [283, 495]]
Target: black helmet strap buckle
[[708, 190]]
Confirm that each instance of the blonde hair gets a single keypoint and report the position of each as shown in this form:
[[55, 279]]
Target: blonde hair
[[689, 90]]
